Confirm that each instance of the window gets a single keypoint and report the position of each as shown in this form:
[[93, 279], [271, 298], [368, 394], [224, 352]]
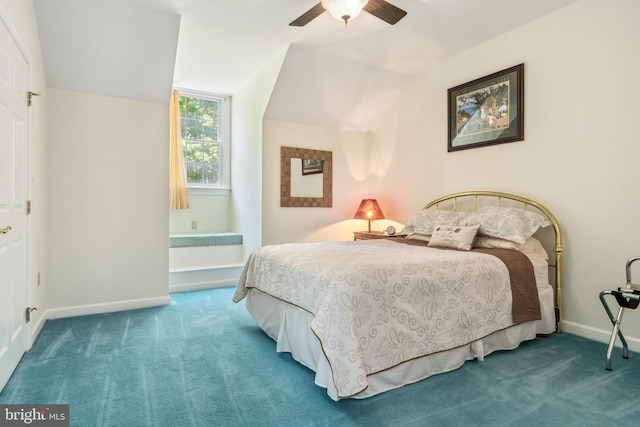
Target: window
[[204, 127]]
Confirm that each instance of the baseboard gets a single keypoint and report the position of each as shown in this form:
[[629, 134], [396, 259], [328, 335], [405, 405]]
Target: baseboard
[[207, 268], [600, 335], [86, 310], [36, 328], [209, 284]]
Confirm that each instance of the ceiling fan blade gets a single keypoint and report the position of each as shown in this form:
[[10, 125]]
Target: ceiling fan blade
[[385, 11], [308, 16]]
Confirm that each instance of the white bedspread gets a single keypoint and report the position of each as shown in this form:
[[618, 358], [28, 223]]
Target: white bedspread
[[384, 302]]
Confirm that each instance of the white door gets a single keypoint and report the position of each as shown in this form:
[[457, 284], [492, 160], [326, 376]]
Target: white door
[[13, 196]]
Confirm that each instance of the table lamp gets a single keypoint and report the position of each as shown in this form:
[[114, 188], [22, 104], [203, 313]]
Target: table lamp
[[369, 210]]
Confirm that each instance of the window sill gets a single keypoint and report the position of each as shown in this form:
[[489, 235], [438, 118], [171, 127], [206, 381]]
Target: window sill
[[209, 191]]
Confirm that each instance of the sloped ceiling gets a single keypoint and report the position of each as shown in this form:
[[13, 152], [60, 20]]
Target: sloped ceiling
[[320, 89], [332, 75], [108, 48]]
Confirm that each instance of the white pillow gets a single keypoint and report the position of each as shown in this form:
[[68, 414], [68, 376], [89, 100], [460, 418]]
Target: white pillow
[[424, 221], [453, 236], [540, 269], [513, 224], [531, 246], [418, 236]]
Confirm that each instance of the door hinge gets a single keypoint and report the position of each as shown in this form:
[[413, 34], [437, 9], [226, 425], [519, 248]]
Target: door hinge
[[30, 95], [28, 207], [29, 310]]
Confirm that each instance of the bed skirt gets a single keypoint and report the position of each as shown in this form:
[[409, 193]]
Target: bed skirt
[[284, 322]]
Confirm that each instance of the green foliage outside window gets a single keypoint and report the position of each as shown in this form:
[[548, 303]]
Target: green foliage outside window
[[200, 122]]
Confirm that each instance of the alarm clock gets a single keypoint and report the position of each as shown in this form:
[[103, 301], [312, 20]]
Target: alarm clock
[[391, 230]]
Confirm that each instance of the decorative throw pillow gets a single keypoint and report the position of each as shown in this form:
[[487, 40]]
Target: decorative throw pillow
[[513, 224], [453, 236], [424, 221]]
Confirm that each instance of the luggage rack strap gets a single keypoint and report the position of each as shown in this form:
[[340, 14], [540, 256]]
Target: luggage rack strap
[[627, 298]]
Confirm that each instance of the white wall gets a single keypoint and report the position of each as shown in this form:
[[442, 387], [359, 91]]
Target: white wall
[[580, 152], [210, 211], [351, 171], [249, 104], [108, 189], [21, 17]]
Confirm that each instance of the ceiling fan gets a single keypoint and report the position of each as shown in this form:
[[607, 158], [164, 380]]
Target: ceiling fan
[[346, 10]]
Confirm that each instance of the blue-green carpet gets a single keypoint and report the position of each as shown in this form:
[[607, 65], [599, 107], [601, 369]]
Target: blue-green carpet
[[201, 361]]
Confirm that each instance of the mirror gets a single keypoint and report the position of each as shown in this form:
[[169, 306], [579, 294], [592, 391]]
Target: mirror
[[306, 178]]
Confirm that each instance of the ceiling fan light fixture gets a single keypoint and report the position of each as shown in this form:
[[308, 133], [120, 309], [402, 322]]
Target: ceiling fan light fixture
[[344, 10]]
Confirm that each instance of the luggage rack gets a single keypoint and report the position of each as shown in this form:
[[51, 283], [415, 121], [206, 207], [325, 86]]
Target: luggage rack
[[626, 297]]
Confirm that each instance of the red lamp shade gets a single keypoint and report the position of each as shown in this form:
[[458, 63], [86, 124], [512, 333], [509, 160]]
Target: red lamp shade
[[369, 210]]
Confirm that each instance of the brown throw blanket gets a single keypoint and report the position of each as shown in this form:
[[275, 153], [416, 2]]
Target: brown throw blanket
[[526, 305]]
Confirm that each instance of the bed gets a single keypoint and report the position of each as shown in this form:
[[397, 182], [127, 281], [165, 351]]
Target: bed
[[468, 276]]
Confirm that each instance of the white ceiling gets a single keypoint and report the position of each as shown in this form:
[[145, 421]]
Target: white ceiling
[[318, 89], [223, 42], [108, 48], [116, 47]]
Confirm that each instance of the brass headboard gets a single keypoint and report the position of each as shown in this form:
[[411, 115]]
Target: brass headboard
[[475, 197]]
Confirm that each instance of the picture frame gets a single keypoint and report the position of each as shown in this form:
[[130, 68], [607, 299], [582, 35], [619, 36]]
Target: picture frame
[[312, 166], [487, 111]]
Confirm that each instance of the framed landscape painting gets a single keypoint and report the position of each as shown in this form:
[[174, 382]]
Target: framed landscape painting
[[487, 111]]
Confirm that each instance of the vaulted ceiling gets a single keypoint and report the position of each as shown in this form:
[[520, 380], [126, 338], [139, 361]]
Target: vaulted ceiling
[[139, 48]]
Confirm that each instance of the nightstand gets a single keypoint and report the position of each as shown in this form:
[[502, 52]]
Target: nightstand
[[366, 235]]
